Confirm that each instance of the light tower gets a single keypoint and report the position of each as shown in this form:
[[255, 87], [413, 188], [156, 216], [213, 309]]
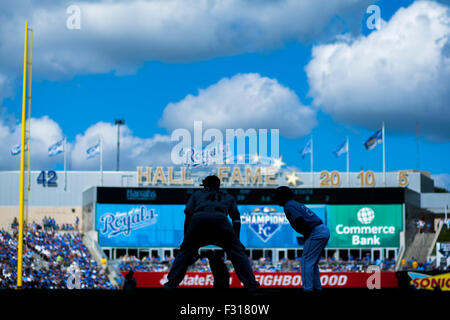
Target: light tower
[[118, 123]]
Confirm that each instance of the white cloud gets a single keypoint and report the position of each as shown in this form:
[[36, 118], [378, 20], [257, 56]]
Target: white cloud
[[134, 151], [243, 101], [45, 132], [121, 35], [6, 87], [399, 74], [442, 180]]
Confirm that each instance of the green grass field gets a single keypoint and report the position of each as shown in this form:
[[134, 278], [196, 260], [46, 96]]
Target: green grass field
[[444, 236]]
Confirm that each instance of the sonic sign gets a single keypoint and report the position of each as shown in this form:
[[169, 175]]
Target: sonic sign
[[365, 226]]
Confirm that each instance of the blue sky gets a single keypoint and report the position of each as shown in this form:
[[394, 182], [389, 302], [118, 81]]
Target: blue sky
[[84, 79]]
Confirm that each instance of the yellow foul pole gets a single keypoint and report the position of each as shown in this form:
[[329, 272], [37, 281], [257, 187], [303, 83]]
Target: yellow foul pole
[[28, 139], [22, 164]]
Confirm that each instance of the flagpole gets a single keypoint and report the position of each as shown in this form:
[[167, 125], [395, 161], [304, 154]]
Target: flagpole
[[348, 163], [384, 156], [312, 161], [65, 161], [417, 145], [101, 161]]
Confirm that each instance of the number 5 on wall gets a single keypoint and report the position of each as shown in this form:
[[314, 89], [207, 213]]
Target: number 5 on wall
[[403, 178]]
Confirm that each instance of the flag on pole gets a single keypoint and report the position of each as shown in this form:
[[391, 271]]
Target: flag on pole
[[15, 150], [100, 141], [374, 139], [93, 151], [341, 149], [56, 149], [64, 142], [307, 149]]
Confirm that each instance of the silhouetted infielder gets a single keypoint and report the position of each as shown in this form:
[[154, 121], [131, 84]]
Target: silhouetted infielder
[[206, 223], [217, 265], [218, 269], [130, 282], [316, 234]]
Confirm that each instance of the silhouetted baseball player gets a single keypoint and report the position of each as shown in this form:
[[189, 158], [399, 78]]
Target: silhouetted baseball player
[[315, 232], [206, 223], [218, 269]]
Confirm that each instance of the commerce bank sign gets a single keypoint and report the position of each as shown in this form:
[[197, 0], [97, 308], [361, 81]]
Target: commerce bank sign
[[365, 235], [365, 226]]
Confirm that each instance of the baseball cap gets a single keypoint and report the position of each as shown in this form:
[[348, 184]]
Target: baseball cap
[[211, 181]]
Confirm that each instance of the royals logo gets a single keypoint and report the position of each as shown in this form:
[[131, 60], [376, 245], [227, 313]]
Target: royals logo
[[114, 224], [264, 222]]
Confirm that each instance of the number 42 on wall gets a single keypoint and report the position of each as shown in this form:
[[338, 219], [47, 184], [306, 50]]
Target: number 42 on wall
[[47, 178]]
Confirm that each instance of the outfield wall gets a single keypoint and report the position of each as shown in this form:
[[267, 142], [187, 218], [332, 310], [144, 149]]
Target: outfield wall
[[62, 215], [269, 279]]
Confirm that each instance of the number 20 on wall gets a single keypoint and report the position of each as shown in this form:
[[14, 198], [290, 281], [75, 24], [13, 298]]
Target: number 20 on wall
[[47, 178], [328, 179]]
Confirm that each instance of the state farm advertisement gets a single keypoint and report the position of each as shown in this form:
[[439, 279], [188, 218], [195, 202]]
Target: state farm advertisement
[[269, 279]]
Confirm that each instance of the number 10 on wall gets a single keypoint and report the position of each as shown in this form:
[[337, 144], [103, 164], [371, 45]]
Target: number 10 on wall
[[366, 178]]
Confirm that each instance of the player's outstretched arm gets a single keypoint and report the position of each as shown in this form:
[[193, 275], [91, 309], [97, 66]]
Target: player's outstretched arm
[[187, 221], [189, 211], [235, 218]]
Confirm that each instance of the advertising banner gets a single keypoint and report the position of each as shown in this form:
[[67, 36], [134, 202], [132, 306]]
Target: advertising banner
[[429, 281], [268, 280], [443, 254], [129, 225], [267, 226], [134, 225], [161, 225], [364, 226]]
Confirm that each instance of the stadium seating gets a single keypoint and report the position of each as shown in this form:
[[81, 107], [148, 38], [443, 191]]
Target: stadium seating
[[126, 263], [49, 257]]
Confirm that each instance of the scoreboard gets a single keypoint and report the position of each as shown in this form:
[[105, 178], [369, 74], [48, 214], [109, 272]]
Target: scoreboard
[[394, 195], [154, 217]]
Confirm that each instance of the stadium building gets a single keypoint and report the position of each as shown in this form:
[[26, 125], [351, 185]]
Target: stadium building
[[140, 212]]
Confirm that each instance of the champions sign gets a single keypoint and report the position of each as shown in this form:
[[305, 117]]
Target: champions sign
[[267, 226], [264, 222]]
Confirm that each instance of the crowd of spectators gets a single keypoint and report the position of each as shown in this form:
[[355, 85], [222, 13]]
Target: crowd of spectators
[[50, 258], [154, 264], [127, 263], [423, 226], [446, 224], [48, 224], [51, 225], [414, 265], [330, 264], [353, 264]]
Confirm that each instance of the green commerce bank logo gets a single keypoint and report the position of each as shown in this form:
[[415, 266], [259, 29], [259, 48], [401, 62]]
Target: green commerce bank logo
[[364, 234]]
